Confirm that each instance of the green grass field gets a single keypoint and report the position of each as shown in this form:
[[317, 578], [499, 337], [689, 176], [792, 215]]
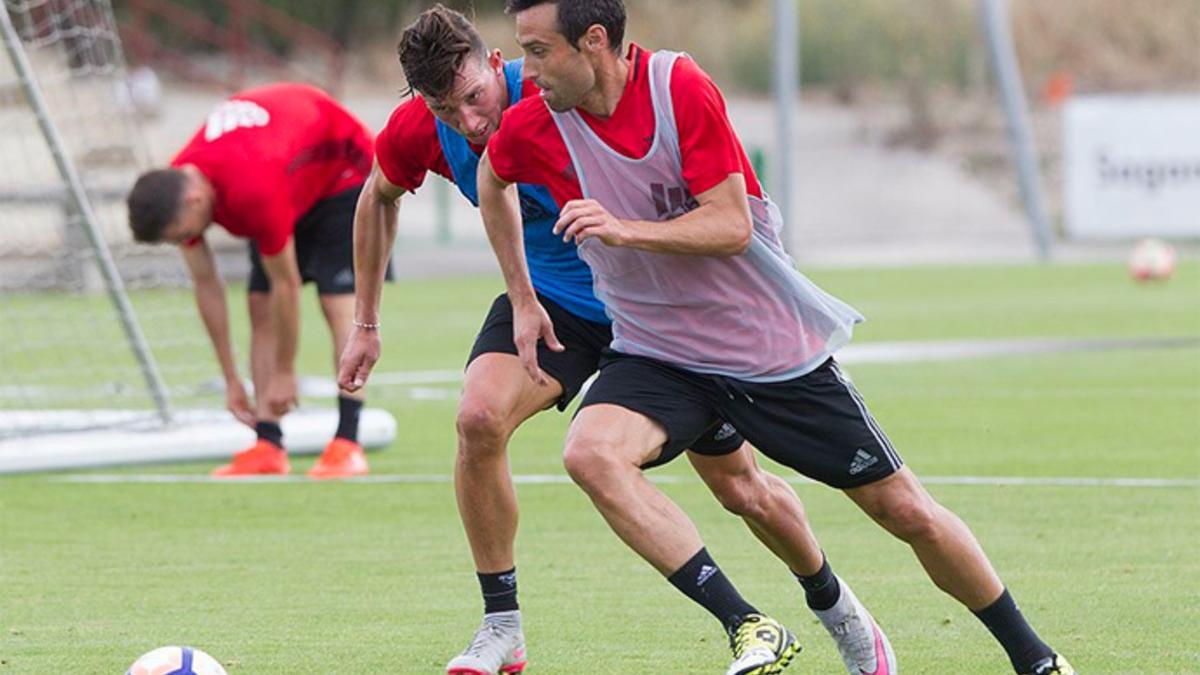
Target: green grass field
[[376, 578]]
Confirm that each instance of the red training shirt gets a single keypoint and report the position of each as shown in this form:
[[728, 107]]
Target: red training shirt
[[529, 149], [273, 152]]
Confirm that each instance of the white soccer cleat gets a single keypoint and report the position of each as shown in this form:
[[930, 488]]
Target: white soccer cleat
[[864, 648], [498, 647]]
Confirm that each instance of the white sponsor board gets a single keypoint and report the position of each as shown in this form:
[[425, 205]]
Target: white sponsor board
[[1131, 167]]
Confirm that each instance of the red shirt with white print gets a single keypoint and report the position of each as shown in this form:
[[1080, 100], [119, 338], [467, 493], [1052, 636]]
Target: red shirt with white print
[[271, 153]]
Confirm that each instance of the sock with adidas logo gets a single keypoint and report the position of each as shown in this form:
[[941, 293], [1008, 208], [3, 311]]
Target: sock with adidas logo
[[701, 580], [499, 591]]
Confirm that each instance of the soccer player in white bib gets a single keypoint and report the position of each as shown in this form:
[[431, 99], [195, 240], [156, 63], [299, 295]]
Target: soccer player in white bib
[[711, 320], [463, 90]]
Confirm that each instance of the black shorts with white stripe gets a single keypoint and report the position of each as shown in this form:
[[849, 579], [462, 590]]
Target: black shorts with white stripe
[[816, 424]]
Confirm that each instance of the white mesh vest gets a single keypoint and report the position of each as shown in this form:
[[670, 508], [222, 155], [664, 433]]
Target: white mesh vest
[[752, 316]]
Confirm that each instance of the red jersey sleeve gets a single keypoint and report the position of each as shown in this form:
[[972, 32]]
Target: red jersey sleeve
[[528, 149], [408, 146], [710, 147], [513, 149]]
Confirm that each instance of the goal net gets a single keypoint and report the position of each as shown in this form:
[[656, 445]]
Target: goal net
[[97, 333], [70, 343]]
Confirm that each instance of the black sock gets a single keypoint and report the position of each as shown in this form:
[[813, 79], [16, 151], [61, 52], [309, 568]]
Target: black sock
[[821, 590], [270, 431], [499, 591], [701, 580], [1005, 621], [348, 412]]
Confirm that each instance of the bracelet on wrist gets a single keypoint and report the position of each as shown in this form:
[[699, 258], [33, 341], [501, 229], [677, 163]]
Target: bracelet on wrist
[[366, 326]]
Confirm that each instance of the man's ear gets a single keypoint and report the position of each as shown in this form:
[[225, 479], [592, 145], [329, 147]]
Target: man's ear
[[496, 60], [595, 39], [192, 195]]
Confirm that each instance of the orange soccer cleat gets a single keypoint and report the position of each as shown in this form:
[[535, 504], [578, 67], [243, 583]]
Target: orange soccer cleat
[[342, 459], [263, 458]]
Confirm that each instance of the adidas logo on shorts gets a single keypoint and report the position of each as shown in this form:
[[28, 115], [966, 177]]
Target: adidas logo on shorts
[[863, 460], [724, 432]]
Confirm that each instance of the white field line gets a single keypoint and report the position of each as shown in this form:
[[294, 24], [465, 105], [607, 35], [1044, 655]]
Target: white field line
[[559, 479], [417, 383], [878, 352]]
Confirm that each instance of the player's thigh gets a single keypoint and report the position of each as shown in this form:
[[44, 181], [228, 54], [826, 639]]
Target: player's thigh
[[817, 424], [498, 388], [338, 310], [570, 369], [606, 432], [669, 405], [734, 478], [734, 466], [325, 244], [257, 282], [898, 497]]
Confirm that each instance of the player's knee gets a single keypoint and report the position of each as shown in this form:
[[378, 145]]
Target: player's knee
[[589, 461], [741, 494], [481, 427], [910, 517]]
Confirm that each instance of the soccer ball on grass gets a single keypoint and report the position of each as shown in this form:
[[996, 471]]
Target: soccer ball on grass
[[175, 661], [1151, 260]]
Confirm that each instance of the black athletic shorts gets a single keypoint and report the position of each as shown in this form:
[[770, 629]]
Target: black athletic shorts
[[324, 247], [586, 343], [816, 424]]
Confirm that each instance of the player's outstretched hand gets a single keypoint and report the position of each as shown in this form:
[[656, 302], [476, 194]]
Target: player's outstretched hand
[[582, 219], [281, 393], [531, 323], [358, 358], [238, 403]]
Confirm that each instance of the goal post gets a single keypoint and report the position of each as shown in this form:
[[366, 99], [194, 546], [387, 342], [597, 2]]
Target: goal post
[[81, 204], [71, 341]]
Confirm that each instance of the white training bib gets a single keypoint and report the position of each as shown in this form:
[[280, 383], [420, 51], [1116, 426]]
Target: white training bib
[[751, 316]]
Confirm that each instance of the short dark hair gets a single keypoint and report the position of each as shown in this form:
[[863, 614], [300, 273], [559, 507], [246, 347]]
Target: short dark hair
[[434, 47], [575, 17], [154, 202]]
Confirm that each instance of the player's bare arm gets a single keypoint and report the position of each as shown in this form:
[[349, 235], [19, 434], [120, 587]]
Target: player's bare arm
[[375, 223], [501, 214], [210, 301], [719, 226], [284, 275]]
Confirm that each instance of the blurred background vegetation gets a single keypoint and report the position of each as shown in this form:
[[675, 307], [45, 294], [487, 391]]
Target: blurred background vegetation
[[913, 74], [847, 45]]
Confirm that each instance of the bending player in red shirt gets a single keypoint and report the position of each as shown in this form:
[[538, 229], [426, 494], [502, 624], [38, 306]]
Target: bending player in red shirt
[[282, 166]]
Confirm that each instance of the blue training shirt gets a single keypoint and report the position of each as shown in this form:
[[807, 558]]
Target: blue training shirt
[[555, 268]]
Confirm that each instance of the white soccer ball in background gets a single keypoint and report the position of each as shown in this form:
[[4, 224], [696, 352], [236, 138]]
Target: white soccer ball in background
[[141, 93], [1151, 259], [176, 661]]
